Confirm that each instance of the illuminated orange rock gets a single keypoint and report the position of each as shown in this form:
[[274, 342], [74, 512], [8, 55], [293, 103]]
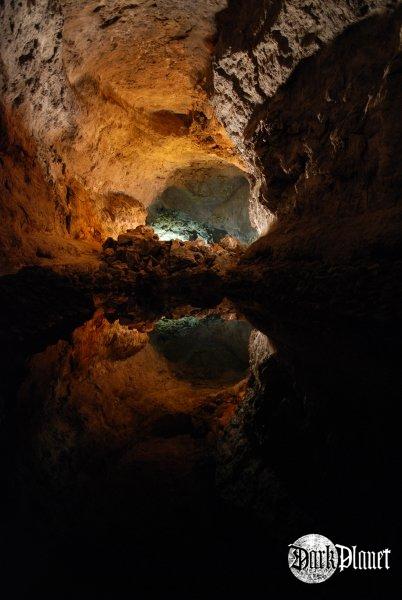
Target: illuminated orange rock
[[105, 101]]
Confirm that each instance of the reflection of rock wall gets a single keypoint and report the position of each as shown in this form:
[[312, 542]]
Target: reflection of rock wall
[[317, 433], [208, 349], [108, 413], [260, 349]]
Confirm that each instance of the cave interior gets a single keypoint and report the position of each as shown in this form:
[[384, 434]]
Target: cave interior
[[200, 284]]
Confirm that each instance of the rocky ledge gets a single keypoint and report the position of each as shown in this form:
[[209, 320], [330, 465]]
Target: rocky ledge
[[139, 267]]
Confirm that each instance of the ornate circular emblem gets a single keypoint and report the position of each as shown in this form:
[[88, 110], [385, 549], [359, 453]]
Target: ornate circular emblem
[[313, 558]]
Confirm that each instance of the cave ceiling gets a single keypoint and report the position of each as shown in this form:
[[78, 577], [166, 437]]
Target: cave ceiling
[[138, 72]]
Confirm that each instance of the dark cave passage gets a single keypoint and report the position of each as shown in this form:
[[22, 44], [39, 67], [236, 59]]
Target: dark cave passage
[[206, 203]]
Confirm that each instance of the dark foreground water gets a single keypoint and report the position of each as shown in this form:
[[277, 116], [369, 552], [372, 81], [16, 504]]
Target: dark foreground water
[[180, 459]]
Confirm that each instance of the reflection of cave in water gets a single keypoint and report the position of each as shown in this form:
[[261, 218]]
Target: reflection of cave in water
[[204, 202], [147, 407], [121, 444], [208, 349], [120, 434], [136, 394], [179, 365]]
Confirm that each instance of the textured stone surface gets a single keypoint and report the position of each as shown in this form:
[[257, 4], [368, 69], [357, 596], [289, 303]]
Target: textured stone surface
[[139, 267], [261, 43], [215, 196], [139, 71], [99, 101], [35, 110], [104, 103], [310, 92]]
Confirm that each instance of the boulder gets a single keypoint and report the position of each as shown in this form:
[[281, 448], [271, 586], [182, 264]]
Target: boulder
[[181, 256], [230, 243]]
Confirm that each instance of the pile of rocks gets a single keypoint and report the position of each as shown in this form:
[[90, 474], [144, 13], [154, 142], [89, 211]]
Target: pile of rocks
[[139, 264], [141, 251]]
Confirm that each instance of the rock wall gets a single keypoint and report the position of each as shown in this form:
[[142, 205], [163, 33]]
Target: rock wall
[[310, 92], [34, 112], [214, 195], [100, 104]]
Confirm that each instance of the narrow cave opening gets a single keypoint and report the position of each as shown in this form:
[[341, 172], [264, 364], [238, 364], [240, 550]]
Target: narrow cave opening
[[204, 202]]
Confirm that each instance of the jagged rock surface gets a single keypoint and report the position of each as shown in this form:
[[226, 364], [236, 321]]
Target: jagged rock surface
[[139, 267], [311, 92], [100, 104]]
